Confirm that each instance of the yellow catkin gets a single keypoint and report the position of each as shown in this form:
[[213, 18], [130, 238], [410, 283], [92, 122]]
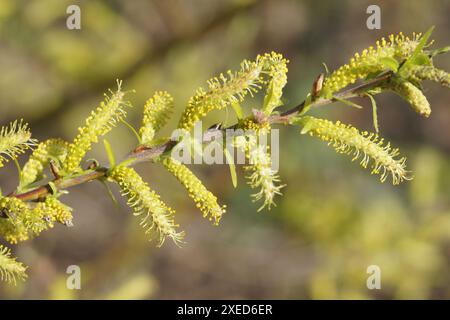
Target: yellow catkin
[[52, 149], [52, 210], [10, 269], [222, 91], [157, 110], [276, 68], [371, 60], [15, 139], [347, 139], [204, 199], [156, 215], [14, 227], [99, 123], [262, 175], [23, 222], [267, 70]]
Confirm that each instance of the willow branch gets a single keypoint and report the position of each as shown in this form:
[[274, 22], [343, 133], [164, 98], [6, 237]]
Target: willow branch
[[146, 154]]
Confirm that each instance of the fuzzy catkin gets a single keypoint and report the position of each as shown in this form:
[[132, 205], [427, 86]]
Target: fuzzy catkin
[[370, 61], [157, 111], [419, 73], [52, 149], [412, 95], [347, 139], [261, 175], [15, 139], [267, 70], [156, 215], [204, 199], [10, 269], [99, 123]]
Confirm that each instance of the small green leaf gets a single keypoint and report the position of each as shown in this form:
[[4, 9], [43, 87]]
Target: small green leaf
[[374, 112], [110, 153], [347, 102], [109, 191], [421, 60], [237, 109], [307, 105], [390, 63], [232, 167]]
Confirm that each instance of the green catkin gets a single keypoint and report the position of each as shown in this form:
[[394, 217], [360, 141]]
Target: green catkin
[[10, 269], [157, 111], [15, 139], [156, 215], [420, 73], [204, 199], [370, 61], [412, 95], [347, 139], [52, 149], [99, 123]]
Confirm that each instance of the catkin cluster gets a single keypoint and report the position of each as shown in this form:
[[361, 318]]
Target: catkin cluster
[[370, 61], [50, 150], [24, 221], [267, 70]]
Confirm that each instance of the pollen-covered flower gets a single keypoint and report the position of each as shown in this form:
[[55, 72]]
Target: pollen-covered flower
[[10, 268], [156, 215], [15, 139], [347, 139], [262, 174], [412, 95], [52, 149], [157, 110], [99, 123], [371, 60], [204, 199]]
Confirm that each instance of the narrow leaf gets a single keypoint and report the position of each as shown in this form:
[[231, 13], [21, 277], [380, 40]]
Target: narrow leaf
[[110, 153]]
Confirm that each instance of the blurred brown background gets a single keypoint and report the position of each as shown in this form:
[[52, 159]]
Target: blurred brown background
[[334, 219]]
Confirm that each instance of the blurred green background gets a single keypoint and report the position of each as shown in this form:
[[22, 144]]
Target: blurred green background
[[334, 219]]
